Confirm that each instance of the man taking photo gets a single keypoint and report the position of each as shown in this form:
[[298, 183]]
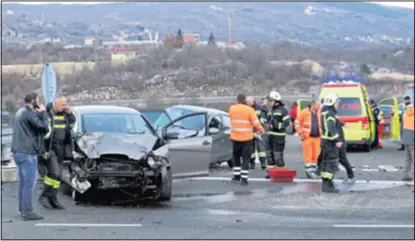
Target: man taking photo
[[29, 126]]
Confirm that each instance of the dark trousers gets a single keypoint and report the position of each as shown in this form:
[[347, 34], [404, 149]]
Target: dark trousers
[[277, 146], [376, 143], [344, 161], [54, 169], [258, 147], [27, 167], [241, 150], [293, 126], [329, 164]]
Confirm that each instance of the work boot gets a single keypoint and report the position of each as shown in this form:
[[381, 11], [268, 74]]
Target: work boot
[[328, 186], [236, 179], [267, 177], [55, 203], [244, 182], [407, 179], [44, 201], [349, 180], [402, 148], [313, 175], [263, 165], [253, 165], [32, 217]]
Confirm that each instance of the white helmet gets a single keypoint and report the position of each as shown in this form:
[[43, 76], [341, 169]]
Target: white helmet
[[274, 95], [330, 99]]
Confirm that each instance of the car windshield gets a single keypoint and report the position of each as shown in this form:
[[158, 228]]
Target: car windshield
[[115, 123], [349, 107], [387, 110], [196, 122]]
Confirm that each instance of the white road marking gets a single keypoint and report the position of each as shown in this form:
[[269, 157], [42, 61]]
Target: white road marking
[[88, 225], [303, 180], [373, 226]]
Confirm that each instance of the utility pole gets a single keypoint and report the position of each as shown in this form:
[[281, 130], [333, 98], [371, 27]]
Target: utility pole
[[230, 11]]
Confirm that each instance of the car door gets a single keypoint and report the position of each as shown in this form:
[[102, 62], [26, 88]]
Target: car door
[[226, 140], [215, 130], [302, 104], [391, 129], [189, 156]]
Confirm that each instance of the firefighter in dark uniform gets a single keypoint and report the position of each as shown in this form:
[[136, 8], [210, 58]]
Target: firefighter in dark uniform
[[278, 120], [330, 142], [259, 140], [59, 147], [377, 115]]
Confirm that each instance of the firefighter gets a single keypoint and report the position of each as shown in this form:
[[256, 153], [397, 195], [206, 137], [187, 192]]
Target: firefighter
[[307, 126], [278, 120], [330, 141], [407, 101], [259, 140], [58, 145], [378, 116], [243, 121]]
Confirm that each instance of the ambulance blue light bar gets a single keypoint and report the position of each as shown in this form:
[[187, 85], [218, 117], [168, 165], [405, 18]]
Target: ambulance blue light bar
[[342, 79]]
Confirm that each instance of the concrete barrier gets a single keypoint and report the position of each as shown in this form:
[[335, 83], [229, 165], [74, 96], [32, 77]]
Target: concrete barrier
[[9, 173]]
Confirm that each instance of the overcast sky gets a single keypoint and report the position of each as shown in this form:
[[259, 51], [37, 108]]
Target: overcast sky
[[398, 4]]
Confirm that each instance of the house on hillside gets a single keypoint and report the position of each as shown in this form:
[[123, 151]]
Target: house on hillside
[[191, 38]]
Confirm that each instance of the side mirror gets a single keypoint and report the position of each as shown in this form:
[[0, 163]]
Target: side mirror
[[168, 135], [213, 130]]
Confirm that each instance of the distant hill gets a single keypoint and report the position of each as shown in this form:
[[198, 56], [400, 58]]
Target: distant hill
[[328, 24]]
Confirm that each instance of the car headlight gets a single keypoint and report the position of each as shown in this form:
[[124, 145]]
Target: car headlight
[[150, 161]]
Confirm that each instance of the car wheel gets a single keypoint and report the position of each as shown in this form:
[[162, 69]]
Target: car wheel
[[367, 147], [230, 163], [79, 197], [166, 186], [66, 189]]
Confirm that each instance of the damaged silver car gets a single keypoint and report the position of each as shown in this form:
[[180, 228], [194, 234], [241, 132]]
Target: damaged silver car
[[118, 149]]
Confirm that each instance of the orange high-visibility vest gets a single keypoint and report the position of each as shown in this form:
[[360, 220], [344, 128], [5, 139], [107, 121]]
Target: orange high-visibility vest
[[243, 121], [304, 121], [408, 119]]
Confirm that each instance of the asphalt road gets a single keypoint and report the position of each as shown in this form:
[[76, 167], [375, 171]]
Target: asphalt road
[[378, 206]]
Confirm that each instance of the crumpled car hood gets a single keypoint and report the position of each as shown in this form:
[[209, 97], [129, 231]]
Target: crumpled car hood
[[133, 145]]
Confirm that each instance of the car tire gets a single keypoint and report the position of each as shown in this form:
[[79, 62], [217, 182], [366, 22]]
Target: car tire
[[66, 189], [230, 163], [79, 197], [166, 186], [367, 147]]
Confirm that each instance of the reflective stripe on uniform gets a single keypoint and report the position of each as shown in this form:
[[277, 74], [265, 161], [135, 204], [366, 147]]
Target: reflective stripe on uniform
[[59, 117], [327, 175], [236, 171], [52, 182], [326, 130], [276, 133], [59, 126], [285, 118], [244, 174], [240, 121], [242, 129], [306, 129]]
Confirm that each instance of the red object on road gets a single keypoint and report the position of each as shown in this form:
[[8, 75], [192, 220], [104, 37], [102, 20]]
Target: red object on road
[[380, 132], [281, 174]]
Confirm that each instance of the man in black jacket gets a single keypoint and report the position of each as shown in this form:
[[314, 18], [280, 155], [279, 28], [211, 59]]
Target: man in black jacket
[[59, 147], [29, 126], [259, 142]]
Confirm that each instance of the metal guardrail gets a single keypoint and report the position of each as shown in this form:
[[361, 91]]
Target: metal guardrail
[[182, 100]]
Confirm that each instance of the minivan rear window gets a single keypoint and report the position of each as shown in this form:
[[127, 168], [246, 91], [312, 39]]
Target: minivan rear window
[[349, 107]]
